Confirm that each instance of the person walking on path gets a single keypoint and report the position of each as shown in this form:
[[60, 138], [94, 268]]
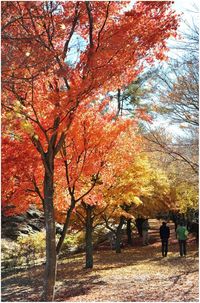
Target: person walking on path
[[182, 234], [145, 228], [138, 223], [164, 235]]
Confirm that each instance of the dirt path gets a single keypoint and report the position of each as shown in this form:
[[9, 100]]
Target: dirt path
[[137, 274]]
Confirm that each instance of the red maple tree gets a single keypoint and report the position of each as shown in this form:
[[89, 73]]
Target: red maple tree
[[41, 88]]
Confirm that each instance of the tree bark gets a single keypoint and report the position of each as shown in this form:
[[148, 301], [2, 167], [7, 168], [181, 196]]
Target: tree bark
[[118, 235], [88, 237], [51, 260], [65, 227], [48, 163], [129, 232]]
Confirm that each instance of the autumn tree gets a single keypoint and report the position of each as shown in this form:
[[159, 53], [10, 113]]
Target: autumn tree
[[177, 83], [87, 218], [90, 139], [141, 190], [182, 150], [130, 180], [117, 161], [182, 179], [102, 150], [41, 90], [181, 91]]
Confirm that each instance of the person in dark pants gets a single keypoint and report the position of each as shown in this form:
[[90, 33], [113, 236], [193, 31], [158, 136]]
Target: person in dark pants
[[145, 234], [182, 234], [164, 235], [138, 223]]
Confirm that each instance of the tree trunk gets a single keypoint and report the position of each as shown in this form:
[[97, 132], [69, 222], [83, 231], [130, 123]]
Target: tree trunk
[[118, 235], [51, 260], [129, 232], [88, 237], [65, 227], [48, 163]]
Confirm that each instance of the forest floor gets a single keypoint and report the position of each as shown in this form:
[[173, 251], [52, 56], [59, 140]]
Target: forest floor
[[137, 274]]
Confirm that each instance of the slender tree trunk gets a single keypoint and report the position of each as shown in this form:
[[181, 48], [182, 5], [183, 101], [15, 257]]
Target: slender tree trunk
[[88, 237], [54, 145], [129, 232], [51, 260], [65, 227], [118, 235]]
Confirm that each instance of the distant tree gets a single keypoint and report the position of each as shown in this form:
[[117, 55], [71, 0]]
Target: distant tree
[[177, 85], [182, 174], [183, 150]]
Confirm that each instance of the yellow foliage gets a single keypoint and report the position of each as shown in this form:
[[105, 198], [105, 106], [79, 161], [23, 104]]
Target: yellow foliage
[[130, 187], [186, 197], [27, 127], [9, 116], [137, 201], [139, 190]]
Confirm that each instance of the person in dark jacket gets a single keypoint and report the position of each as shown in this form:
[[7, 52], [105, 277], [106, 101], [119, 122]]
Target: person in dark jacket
[[164, 235]]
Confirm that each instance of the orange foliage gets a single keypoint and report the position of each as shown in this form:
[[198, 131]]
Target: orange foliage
[[91, 140], [21, 167], [46, 97]]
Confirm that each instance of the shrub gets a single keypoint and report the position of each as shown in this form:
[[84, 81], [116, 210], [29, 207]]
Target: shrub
[[27, 250], [32, 247], [73, 242]]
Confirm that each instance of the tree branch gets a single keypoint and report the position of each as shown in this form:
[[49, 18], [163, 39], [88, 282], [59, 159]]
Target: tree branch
[[90, 17]]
